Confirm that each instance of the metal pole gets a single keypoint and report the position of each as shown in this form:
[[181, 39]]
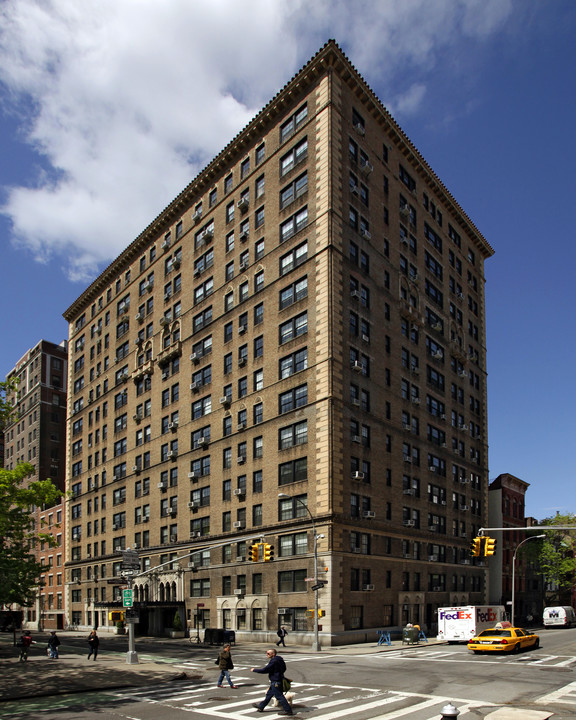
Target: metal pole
[[131, 655], [316, 644], [532, 537]]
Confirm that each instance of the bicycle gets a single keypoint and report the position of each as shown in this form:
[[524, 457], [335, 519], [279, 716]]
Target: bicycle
[[195, 639]]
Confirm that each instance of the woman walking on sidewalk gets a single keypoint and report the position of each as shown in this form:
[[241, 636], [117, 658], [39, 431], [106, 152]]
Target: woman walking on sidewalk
[[94, 643], [225, 664]]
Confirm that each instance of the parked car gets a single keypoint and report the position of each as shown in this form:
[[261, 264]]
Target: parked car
[[509, 639]]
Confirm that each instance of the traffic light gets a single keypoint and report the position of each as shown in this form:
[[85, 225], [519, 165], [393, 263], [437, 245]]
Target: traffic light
[[321, 613], [268, 554], [254, 553], [490, 547], [476, 547]]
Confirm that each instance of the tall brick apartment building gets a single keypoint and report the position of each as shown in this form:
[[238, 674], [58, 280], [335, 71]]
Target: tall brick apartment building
[[306, 318], [37, 435]]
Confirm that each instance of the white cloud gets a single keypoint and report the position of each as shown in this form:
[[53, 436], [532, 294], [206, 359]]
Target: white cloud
[[126, 100]]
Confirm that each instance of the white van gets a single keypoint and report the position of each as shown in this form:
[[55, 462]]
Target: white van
[[562, 616]]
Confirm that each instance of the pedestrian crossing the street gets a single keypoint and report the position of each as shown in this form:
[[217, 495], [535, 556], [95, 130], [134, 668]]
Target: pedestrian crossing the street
[[328, 702]]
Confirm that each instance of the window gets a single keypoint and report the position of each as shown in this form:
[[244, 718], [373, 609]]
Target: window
[[294, 190], [293, 328], [293, 471], [292, 435], [293, 363], [293, 224], [290, 126], [293, 399], [294, 258], [298, 290]]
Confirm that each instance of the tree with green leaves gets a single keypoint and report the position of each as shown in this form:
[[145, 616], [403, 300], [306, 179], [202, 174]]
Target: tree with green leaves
[[558, 559], [19, 569]]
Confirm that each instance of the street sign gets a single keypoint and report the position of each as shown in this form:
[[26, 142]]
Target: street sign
[[318, 586], [132, 616], [116, 581], [127, 600]]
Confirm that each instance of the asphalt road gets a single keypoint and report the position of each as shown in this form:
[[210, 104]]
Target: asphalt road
[[408, 683]]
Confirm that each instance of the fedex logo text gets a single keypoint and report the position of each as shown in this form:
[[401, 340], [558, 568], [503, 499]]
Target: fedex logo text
[[458, 615], [489, 616]]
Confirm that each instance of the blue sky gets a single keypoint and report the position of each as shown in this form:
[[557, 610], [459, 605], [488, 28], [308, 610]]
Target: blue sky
[[109, 107]]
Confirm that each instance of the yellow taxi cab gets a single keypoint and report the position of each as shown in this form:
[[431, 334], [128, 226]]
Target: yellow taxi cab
[[504, 639]]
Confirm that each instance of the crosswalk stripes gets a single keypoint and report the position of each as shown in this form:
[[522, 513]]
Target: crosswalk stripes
[[326, 701], [565, 695]]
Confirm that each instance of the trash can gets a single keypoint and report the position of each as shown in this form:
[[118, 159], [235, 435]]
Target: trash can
[[230, 637], [410, 636]]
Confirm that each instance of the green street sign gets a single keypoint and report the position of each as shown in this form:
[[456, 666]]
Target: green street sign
[[127, 598]]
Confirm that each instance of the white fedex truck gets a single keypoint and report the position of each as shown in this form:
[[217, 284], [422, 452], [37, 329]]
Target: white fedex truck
[[459, 624]]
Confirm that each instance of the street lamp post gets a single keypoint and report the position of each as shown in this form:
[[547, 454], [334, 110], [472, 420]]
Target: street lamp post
[[316, 644], [532, 537]]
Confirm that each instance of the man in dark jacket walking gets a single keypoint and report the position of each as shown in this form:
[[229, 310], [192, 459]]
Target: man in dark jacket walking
[[53, 642], [225, 664], [275, 670]]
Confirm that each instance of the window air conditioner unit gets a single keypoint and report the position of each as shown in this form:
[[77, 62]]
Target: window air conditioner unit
[[135, 468], [433, 528], [357, 550], [416, 401], [195, 357], [356, 438], [195, 386], [243, 203], [433, 558], [238, 591], [284, 611], [114, 527], [368, 587], [357, 475], [365, 233], [173, 538], [464, 508], [432, 468], [165, 244], [165, 375], [240, 558], [139, 317], [238, 525], [172, 454], [241, 459], [357, 367], [176, 263], [355, 294], [241, 426], [164, 321], [202, 443], [239, 492], [115, 477], [242, 329], [369, 514], [408, 491], [354, 189], [438, 355], [191, 565], [196, 215], [146, 518], [366, 168], [404, 211], [171, 511], [173, 425], [242, 362], [138, 341], [192, 475], [360, 129], [137, 417], [225, 400], [408, 523], [208, 234], [365, 338], [244, 235], [355, 402], [161, 486], [437, 588]]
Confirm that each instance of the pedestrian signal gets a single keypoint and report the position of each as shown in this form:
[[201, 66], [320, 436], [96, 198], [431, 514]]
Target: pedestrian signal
[[268, 554], [321, 613], [490, 547], [476, 547], [254, 553]]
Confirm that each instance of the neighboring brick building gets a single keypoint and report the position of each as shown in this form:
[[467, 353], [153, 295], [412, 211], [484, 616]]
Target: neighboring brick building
[[306, 317], [506, 509], [38, 436]]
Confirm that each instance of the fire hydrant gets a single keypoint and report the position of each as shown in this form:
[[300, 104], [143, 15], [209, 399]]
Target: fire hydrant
[[449, 712]]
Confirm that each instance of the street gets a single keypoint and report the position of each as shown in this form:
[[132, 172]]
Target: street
[[412, 683]]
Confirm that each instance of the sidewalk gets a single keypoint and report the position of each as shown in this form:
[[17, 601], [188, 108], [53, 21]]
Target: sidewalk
[[73, 673]]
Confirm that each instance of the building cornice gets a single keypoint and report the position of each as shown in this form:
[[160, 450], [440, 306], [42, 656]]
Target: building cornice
[[330, 58]]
